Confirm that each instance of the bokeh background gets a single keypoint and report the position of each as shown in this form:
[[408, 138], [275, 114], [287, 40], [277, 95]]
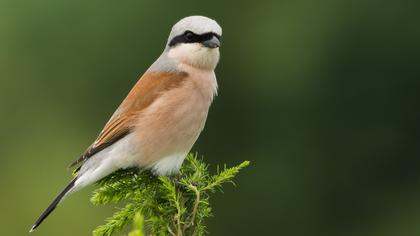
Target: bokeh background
[[321, 96]]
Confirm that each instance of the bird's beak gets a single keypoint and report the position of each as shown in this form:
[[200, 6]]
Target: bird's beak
[[214, 42]]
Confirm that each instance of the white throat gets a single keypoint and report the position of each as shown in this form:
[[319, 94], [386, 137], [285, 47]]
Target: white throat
[[196, 55]]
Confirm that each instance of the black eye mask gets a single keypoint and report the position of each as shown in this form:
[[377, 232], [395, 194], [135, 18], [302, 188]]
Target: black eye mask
[[190, 37]]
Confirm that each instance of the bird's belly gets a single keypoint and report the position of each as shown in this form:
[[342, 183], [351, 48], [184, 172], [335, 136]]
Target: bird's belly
[[167, 131]]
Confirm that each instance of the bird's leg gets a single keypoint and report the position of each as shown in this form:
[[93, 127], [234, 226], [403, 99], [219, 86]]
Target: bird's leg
[[176, 180]]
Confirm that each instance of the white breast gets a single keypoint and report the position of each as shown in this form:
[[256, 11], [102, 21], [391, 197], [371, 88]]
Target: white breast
[[182, 113]]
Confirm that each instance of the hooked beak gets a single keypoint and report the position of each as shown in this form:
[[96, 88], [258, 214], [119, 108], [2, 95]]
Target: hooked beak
[[214, 42]]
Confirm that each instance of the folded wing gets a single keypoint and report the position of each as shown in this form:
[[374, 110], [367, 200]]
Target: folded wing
[[143, 94]]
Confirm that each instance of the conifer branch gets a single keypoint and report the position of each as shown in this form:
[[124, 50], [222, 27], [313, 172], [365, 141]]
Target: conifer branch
[[161, 205]]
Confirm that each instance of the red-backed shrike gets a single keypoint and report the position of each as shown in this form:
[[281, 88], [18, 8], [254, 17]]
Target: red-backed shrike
[[161, 118]]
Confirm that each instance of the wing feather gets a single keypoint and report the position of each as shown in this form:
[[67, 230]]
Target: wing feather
[[143, 94]]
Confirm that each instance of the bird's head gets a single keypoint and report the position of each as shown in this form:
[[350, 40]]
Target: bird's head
[[195, 40]]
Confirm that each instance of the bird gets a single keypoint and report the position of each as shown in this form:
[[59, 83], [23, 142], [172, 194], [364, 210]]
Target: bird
[[156, 125]]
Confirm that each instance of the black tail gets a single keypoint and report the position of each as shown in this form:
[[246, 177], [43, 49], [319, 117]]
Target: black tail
[[53, 205]]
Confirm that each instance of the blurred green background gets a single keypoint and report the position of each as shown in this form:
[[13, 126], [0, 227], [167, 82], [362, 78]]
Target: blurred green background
[[321, 96]]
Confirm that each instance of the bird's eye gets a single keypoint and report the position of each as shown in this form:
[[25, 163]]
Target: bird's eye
[[189, 35]]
